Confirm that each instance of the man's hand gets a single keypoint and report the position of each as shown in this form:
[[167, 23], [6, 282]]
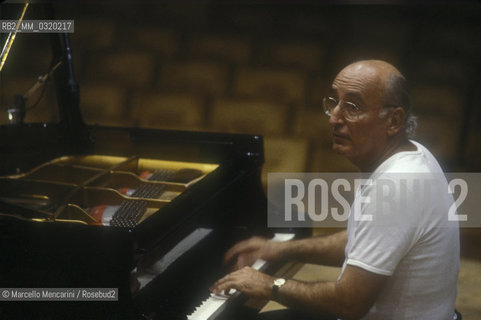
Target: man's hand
[[251, 282], [246, 252]]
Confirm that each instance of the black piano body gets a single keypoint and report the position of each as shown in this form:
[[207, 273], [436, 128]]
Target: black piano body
[[38, 251], [50, 240]]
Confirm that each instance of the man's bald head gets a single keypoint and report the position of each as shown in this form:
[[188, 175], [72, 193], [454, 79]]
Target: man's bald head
[[379, 67], [385, 77]]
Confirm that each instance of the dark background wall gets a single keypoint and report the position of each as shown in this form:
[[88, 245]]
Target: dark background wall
[[260, 68]]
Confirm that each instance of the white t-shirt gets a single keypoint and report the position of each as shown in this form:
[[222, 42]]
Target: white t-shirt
[[408, 238]]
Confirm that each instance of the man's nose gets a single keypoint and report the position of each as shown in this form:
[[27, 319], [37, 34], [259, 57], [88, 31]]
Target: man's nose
[[336, 116]]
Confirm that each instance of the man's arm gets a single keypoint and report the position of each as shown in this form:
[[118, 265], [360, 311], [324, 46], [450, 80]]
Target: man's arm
[[350, 297], [327, 250]]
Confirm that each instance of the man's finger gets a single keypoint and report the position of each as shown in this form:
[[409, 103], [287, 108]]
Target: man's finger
[[224, 286], [235, 251], [240, 262], [243, 247]]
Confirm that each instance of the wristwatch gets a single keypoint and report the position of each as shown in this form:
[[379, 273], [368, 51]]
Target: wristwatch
[[275, 287]]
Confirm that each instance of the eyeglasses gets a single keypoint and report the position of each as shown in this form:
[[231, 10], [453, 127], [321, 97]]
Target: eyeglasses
[[349, 110]]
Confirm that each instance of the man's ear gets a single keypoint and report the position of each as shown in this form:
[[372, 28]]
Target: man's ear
[[395, 121]]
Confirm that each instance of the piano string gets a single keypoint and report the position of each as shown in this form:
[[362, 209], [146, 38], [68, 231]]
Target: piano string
[[102, 190]]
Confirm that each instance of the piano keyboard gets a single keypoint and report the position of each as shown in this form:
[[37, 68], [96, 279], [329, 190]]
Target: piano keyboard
[[216, 303]]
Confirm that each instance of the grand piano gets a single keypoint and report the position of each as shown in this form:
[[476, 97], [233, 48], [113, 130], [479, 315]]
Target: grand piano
[[148, 212]]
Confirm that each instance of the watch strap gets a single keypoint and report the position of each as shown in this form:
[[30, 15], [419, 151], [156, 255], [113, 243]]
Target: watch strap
[[275, 287]]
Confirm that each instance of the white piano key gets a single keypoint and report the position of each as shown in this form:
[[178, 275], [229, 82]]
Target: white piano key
[[206, 309], [279, 237], [258, 264]]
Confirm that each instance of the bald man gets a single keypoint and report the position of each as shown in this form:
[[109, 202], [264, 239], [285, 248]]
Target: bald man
[[403, 270]]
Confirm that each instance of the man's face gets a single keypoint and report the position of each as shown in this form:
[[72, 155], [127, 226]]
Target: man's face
[[361, 140]]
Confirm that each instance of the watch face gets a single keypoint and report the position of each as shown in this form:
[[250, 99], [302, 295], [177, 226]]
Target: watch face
[[279, 282]]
